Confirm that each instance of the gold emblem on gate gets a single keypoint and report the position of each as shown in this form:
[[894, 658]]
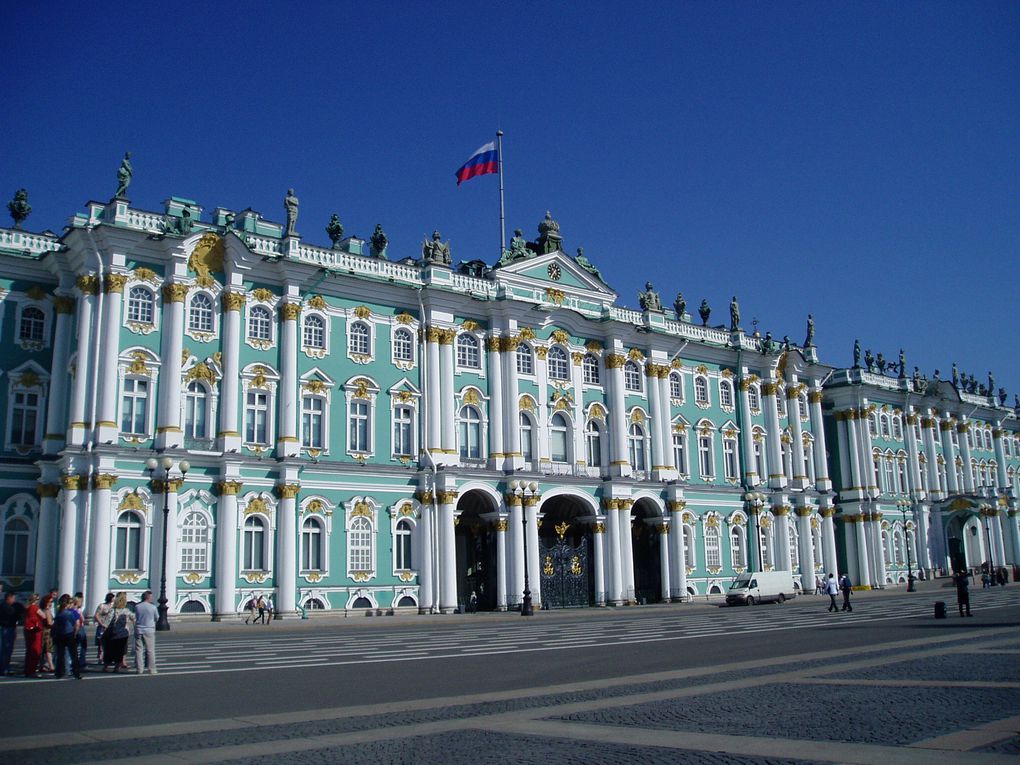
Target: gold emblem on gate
[[561, 529], [547, 567], [575, 565]]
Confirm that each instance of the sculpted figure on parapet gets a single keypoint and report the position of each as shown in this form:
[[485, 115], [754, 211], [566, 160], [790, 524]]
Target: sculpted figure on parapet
[[649, 299], [436, 251], [124, 173]]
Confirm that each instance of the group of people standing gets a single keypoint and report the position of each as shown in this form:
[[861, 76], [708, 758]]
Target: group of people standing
[[258, 609], [56, 639], [833, 587]]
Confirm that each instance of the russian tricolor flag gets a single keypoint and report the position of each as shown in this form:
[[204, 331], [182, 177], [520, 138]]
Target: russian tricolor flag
[[484, 161]]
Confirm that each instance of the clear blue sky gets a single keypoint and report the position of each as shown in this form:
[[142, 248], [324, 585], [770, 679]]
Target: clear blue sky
[[854, 160]]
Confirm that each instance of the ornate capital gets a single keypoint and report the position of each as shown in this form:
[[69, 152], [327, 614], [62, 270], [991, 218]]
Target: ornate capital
[[290, 311], [927, 422], [72, 482], [175, 293], [114, 283], [815, 397], [509, 344], [827, 512], [615, 361], [287, 490], [103, 481], [64, 304], [493, 344], [47, 490], [600, 528], [502, 524], [424, 497], [541, 351], [232, 301], [512, 500], [88, 284], [531, 500], [963, 427], [769, 388], [446, 336], [945, 426], [781, 510], [447, 497], [229, 487], [608, 503], [676, 505], [803, 512]]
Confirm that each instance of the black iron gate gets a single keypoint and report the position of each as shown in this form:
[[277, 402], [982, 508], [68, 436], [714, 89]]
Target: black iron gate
[[565, 574]]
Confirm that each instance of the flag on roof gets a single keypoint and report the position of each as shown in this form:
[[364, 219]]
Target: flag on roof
[[485, 160]]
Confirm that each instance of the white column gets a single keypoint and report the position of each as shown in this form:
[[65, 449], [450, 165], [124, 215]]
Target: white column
[[859, 481], [928, 436], [88, 286], [71, 485], [842, 440], [226, 548], [169, 434], [620, 464], [599, 552], [56, 403], [287, 444], [664, 532], [782, 514], [99, 563], [230, 433], [997, 540], [1014, 536], [963, 431], [747, 434], [501, 560], [627, 550], [580, 450], [173, 487], [497, 441], [1000, 458], [615, 595], [863, 569], [949, 454], [822, 480], [426, 555], [800, 476], [940, 555], [46, 537], [286, 522], [657, 419], [876, 535], [921, 536], [517, 548], [534, 556], [807, 550], [448, 396], [913, 454], [829, 560], [679, 557], [109, 349], [867, 457], [777, 477], [666, 430], [447, 552]]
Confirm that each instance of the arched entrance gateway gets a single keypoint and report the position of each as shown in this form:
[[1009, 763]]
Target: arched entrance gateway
[[646, 539], [475, 539], [566, 553]]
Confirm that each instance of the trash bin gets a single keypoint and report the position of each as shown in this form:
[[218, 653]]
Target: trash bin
[[940, 609]]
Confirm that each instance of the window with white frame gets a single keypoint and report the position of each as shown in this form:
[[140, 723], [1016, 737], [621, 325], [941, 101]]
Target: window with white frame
[[887, 547], [873, 424], [200, 313], [17, 534], [760, 465], [403, 346], [260, 324], [970, 438], [313, 421], [676, 386], [360, 339], [631, 377], [590, 369], [32, 327], [713, 555], [725, 394], [403, 431], [196, 410], [897, 427], [680, 451], [738, 548], [802, 409], [793, 543], [256, 417], [402, 560], [558, 364], [313, 332], [731, 469], [468, 354], [781, 402], [705, 466], [901, 473], [26, 416], [470, 432], [754, 398], [690, 552], [359, 549], [883, 424], [127, 554], [359, 432], [809, 459], [140, 305], [559, 438], [254, 556], [593, 443], [890, 473], [194, 542], [786, 449], [311, 544], [134, 409], [876, 459], [525, 359], [527, 437], [636, 446], [701, 390]]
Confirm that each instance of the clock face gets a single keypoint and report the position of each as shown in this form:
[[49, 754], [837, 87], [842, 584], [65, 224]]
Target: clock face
[[554, 272]]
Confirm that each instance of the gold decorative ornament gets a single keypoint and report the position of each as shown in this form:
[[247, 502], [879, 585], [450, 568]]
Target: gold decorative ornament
[[470, 325], [290, 311], [555, 296], [559, 336], [317, 302], [64, 304], [47, 490], [28, 379], [594, 346], [493, 344], [229, 488], [470, 396], [615, 361], [193, 577], [542, 352], [256, 505], [87, 284], [287, 490], [103, 481], [114, 283], [207, 258], [526, 333], [262, 294], [232, 301]]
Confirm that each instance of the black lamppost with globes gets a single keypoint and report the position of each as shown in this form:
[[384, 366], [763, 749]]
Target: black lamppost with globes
[[151, 464], [904, 505], [524, 489], [756, 501]]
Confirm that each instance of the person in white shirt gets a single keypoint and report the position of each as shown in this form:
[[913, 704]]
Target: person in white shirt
[[146, 615], [832, 590]]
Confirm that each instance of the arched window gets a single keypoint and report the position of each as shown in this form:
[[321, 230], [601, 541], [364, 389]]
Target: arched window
[[559, 438], [809, 459], [467, 351], [196, 411], [15, 552], [631, 376], [793, 543], [713, 556], [883, 422], [701, 390], [754, 398], [680, 452], [890, 474], [260, 323], [200, 314], [636, 446], [128, 554], [897, 427], [525, 359], [901, 473], [527, 438], [402, 546], [403, 431], [139, 305], [361, 339], [760, 465], [898, 545], [470, 433], [311, 545], [676, 386], [738, 550], [313, 331], [887, 547], [403, 345], [781, 402], [254, 544], [725, 394], [33, 325], [558, 363], [360, 545], [590, 369], [195, 542], [593, 442], [690, 553]]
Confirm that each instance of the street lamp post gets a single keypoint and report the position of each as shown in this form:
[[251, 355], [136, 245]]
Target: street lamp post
[[756, 501], [906, 532], [165, 462], [986, 512], [523, 489]]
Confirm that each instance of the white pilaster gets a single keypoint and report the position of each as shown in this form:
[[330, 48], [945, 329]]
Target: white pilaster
[[858, 482], [627, 550], [447, 552], [782, 541], [448, 396], [620, 463], [227, 528], [517, 549], [1014, 536], [657, 420], [615, 563], [497, 440], [512, 433], [172, 506], [679, 557], [67, 552], [829, 560], [88, 286], [928, 424], [800, 473], [169, 434], [46, 537], [56, 403], [109, 349], [776, 478], [664, 530], [1000, 458], [747, 433], [599, 551], [426, 556], [287, 444], [822, 480], [287, 521], [806, 549], [963, 432], [534, 562], [863, 567], [501, 560], [99, 563], [230, 433], [949, 454], [921, 536]]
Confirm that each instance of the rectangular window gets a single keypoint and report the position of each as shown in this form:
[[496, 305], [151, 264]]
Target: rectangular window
[[256, 425], [358, 441], [730, 458], [680, 453], [403, 431], [705, 456], [24, 419], [312, 410], [134, 407]]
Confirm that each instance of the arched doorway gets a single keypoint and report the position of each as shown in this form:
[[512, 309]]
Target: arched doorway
[[964, 541], [475, 537], [565, 548], [646, 521]]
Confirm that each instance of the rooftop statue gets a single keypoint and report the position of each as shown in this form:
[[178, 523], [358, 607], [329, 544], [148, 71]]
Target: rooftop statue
[[518, 250], [124, 173], [937, 376], [809, 341], [436, 252], [181, 225], [228, 221], [335, 231], [902, 365], [379, 241], [991, 382], [704, 310], [786, 342], [19, 207], [734, 314], [768, 345], [649, 299], [290, 204], [880, 363], [857, 354], [549, 237], [587, 265], [956, 375], [680, 306], [1002, 396], [869, 360]]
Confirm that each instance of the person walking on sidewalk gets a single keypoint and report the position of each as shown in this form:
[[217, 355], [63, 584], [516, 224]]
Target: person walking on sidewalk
[[8, 631], [832, 590], [846, 587], [66, 624], [962, 582], [146, 615]]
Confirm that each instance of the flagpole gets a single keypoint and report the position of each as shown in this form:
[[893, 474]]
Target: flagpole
[[502, 214]]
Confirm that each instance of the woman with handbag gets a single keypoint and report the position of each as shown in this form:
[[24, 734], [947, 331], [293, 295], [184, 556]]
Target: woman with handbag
[[33, 637], [121, 623], [102, 616]]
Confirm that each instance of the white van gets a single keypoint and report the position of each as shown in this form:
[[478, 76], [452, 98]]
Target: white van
[[761, 587]]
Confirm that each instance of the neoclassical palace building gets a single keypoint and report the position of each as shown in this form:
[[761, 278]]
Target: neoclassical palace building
[[344, 429]]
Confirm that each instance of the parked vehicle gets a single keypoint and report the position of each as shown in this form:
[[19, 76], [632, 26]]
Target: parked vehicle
[[761, 587]]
